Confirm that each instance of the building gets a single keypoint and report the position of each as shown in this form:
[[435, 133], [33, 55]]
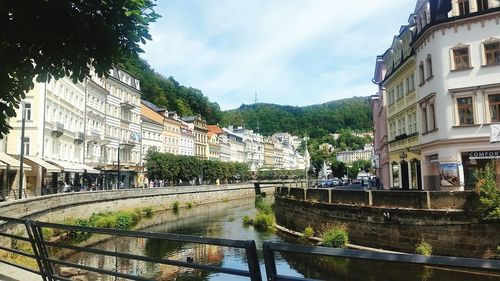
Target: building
[[200, 131], [269, 153], [213, 146], [279, 154], [223, 142], [186, 144], [254, 148], [378, 104], [123, 123], [172, 131], [152, 136], [457, 52], [402, 116], [352, 156], [236, 144]]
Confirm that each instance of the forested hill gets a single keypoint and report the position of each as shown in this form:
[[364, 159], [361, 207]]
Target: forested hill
[[352, 113], [168, 93]]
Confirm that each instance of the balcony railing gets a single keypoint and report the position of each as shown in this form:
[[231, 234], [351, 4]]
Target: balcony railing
[[57, 129], [127, 105], [79, 137], [94, 135]]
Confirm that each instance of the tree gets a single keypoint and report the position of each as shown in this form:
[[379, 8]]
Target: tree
[[52, 39]]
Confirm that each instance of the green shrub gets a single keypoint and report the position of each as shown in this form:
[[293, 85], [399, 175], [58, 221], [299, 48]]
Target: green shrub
[[264, 206], [337, 237], [247, 220], [124, 221], [489, 196], [175, 206], [263, 221], [189, 205], [107, 221], [308, 232], [148, 211], [423, 248]]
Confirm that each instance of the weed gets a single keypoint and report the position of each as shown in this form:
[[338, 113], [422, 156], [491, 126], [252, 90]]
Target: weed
[[308, 232], [336, 237], [423, 248]]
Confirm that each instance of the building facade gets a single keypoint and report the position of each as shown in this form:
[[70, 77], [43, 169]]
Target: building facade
[[199, 127]]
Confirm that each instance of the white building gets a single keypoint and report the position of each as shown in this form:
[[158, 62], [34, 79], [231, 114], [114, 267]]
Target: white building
[[254, 148], [351, 156], [236, 144], [457, 47], [186, 140], [152, 137]]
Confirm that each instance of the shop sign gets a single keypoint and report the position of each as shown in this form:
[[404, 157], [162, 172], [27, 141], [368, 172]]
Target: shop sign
[[495, 154]]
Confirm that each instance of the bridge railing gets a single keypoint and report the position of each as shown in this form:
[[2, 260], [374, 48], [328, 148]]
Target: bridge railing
[[42, 250], [270, 248]]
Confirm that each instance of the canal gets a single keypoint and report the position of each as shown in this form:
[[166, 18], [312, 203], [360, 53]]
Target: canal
[[224, 220]]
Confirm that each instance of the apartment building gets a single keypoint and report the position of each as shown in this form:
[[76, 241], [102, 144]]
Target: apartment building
[[199, 127]]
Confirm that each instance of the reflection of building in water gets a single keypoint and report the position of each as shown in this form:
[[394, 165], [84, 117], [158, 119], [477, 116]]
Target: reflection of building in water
[[200, 253]]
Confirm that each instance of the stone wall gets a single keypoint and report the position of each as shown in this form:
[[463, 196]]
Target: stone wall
[[81, 205], [450, 232]]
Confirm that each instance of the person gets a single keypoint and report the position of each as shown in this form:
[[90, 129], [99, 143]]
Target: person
[[65, 187], [121, 185]]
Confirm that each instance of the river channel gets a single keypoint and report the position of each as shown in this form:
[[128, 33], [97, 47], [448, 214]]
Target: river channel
[[224, 220]]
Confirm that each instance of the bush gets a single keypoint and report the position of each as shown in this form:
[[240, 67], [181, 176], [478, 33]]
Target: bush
[[308, 232], [175, 206], [337, 237], [423, 248], [124, 221], [148, 212], [263, 221], [105, 221], [247, 220], [489, 196], [264, 206], [189, 205]]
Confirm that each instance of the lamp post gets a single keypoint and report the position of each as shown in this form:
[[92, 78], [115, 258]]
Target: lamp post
[[118, 172], [21, 157], [306, 156]]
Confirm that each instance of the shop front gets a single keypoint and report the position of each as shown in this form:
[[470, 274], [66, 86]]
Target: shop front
[[40, 177], [476, 160], [405, 169], [10, 175]]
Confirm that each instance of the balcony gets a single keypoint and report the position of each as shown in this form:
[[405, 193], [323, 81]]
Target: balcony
[[79, 137], [127, 105], [94, 135], [57, 129], [128, 144]]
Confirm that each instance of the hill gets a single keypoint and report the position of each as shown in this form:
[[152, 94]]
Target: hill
[[352, 113], [170, 94]]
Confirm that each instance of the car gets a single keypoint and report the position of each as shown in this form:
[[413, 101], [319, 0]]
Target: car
[[325, 183]]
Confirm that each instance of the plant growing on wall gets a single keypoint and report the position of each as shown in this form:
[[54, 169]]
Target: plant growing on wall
[[489, 196]]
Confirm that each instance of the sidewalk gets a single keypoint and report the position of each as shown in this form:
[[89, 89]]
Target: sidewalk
[[10, 273]]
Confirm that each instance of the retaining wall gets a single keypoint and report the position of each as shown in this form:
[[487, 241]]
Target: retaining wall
[[374, 219]]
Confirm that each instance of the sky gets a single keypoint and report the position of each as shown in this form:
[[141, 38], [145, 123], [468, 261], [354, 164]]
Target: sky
[[293, 52]]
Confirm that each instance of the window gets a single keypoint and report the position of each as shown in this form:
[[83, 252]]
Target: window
[[492, 52], [411, 86], [494, 104], [428, 61], [432, 117], [482, 5], [465, 111], [27, 111], [424, 120], [421, 73], [412, 122], [461, 58], [463, 7], [26, 144]]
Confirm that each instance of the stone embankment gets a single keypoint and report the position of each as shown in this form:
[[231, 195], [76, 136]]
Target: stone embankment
[[393, 220]]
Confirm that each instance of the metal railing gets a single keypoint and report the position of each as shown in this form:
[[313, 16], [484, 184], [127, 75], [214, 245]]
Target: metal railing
[[46, 262], [42, 250], [269, 248]]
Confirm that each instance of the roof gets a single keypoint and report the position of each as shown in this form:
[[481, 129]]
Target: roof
[[152, 106], [210, 134], [144, 118], [215, 129], [189, 118]]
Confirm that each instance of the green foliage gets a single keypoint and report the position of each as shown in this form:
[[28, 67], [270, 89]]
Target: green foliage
[[264, 206], [247, 220], [308, 232], [166, 166], [263, 221], [423, 248], [489, 196], [353, 113], [168, 93], [189, 205], [175, 206], [336, 237], [87, 34], [148, 212], [265, 174]]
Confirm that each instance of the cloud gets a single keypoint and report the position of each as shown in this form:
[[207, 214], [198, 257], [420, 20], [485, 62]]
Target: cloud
[[289, 52]]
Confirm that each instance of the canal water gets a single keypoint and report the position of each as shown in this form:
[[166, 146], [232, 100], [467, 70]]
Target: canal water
[[224, 220]]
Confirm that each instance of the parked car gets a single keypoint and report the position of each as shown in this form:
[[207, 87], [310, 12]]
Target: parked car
[[325, 183]]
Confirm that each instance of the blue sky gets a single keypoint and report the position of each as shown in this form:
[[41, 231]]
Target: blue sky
[[294, 52]]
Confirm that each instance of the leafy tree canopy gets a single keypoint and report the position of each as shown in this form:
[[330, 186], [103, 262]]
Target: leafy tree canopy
[[52, 39]]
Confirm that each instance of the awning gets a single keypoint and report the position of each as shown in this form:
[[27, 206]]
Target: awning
[[67, 166], [50, 168], [13, 162], [88, 169]]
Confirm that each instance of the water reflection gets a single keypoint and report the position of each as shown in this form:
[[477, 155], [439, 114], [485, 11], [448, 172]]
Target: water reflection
[[224, 220]]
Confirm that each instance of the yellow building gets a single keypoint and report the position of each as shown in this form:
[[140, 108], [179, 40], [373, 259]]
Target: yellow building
[[402, 114], [269, 153], [200, 131]]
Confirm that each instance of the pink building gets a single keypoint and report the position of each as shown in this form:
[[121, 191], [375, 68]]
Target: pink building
[[378, 106]]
